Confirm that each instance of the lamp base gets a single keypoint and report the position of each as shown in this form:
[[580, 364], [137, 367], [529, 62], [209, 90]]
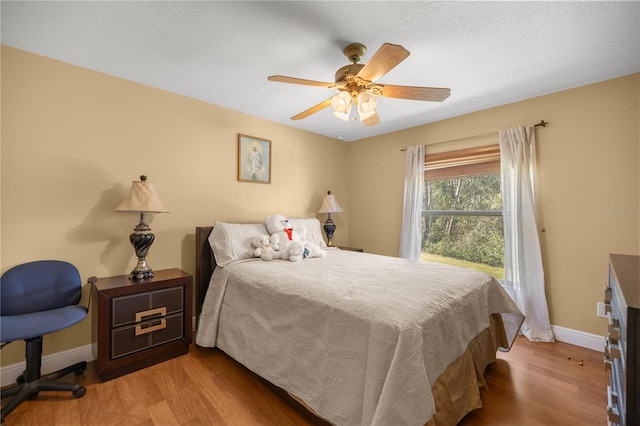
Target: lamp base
[[141, 271], [329, 228], [141, 240]]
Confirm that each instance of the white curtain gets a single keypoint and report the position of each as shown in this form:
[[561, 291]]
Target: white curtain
[[524, 276], [411, 235]]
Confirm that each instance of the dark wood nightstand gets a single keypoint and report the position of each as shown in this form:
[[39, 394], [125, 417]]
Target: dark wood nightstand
[[142, 322], [351, 249]]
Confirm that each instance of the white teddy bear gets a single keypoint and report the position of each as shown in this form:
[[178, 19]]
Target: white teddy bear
[[266, 247], [295, 251], [278, 225], [258, 244]]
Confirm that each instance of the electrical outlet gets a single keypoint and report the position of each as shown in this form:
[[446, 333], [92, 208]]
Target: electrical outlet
[[601, 310]]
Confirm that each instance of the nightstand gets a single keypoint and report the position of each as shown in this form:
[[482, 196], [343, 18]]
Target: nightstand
[[142, 322], [351, 249]]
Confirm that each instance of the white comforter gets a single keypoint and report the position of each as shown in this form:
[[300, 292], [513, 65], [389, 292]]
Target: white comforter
[[360, 338]]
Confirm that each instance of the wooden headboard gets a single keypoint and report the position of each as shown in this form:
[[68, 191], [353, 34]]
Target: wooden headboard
[[205, 264]]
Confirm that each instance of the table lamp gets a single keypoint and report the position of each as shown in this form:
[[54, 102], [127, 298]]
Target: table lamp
[[143, 200], [329, 205]]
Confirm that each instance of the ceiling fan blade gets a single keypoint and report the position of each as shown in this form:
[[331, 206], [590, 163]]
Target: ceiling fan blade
[[435, 94], [304, 114], [384, 60], [293, 80]]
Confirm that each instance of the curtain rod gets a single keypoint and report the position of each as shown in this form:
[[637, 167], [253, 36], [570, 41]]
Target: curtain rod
[[542, 123]]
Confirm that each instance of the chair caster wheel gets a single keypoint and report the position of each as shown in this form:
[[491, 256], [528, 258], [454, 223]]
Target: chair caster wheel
[[80, 392], [20, 379], [79, 372]]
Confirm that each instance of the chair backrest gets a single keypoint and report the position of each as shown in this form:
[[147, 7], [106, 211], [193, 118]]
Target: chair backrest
[[39, 286]]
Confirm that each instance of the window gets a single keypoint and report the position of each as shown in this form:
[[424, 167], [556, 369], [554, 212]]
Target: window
[[462, 213]]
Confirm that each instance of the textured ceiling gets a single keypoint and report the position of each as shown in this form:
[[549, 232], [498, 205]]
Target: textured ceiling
[[488, 53]]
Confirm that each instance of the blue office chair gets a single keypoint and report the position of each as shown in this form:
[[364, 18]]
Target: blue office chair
[[38, 298]]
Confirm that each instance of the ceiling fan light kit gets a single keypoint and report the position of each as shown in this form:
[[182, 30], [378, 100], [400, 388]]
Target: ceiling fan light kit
[[357, 85], [343, 102]]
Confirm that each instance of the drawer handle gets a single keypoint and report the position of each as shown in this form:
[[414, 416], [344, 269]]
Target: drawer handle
[[611, 350], [614, 334], [613, 328], [612, 406], [143, 315], [613, 321], [140, 331]]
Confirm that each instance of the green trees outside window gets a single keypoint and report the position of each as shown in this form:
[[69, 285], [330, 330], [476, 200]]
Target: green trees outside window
[[462, 222]]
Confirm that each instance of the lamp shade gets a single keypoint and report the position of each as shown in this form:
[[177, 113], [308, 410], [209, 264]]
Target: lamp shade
[[329, 204], [366, 102], [341, 102], [143, 198]]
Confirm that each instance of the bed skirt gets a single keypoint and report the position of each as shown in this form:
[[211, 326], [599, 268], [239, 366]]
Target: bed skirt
[[457, 392]]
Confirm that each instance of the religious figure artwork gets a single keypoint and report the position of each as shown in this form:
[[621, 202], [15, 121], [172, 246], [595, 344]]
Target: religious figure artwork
[[254, 159]]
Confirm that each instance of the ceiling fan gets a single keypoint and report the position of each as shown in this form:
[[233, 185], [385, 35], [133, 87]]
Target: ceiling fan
[[357, 85]]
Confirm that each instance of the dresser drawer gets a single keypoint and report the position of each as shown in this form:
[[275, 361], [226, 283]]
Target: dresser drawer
[[616, 400], [146, 334], [143, 306]]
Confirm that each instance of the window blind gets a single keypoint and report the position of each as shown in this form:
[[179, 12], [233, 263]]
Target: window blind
[[463, 162]]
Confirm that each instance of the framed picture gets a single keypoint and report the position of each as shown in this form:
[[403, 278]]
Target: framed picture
[[254, 159]]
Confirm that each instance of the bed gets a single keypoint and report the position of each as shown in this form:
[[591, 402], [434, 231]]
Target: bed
[[358, 338]]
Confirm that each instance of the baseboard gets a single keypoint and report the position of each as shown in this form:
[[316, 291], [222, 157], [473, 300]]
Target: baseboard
[[56, 361], [578, 338], [63, 359], [51, 362]]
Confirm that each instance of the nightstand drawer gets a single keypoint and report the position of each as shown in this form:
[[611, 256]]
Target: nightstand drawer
[[143, 306], [136, 337]]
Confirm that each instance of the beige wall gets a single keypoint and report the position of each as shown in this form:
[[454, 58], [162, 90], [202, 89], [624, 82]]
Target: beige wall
[[588, 186], [72, 142]]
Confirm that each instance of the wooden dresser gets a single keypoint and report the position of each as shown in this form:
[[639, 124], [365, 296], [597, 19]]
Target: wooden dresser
[[622, 348]]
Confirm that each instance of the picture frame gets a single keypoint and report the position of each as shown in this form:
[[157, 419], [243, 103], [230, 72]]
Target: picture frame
[[254, 159]]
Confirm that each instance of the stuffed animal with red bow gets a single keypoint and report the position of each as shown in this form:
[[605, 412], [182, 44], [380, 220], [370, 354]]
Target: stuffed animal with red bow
[[279, 225]]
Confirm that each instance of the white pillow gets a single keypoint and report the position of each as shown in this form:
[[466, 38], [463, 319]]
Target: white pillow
[[232, 241], [312, 225]]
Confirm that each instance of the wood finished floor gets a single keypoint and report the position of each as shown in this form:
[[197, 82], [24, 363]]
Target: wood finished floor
[[534, 384]]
